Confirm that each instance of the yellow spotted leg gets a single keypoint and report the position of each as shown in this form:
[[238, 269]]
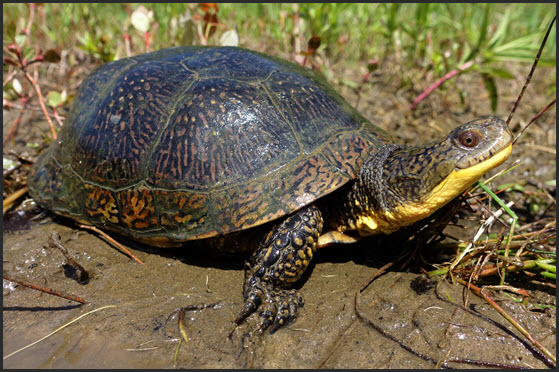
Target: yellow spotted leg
[[282, 258]]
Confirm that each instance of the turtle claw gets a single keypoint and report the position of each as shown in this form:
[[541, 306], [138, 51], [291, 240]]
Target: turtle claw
[[280, 306], [249, 308], [274, 328]]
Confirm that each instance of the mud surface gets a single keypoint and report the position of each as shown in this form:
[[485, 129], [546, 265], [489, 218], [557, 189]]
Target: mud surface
[[389, 324]]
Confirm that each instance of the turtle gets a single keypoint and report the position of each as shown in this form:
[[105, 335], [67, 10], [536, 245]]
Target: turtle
[[246, 152]]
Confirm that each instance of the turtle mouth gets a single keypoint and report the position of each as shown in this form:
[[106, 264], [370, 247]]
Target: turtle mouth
[[466, 161], [476, 168]]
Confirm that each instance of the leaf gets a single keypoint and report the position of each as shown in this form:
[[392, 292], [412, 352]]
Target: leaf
[[206, 7], [7, 163], [314, 43], [392, 23], [51, 55], [10, 29], [189, 28], [55, 99], [17, 86], [8, 95], [529, 42], [497, 72], [482, 35], [20, 39], [229, 38], [140, 19], [501, 31], [350, 83], [372, 65], [511, 186], [491, 89]]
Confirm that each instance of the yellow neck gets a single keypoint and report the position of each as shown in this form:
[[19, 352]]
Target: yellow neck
[[406, 214]]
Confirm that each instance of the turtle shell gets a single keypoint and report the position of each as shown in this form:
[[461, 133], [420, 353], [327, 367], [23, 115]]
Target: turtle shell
[[193, 142]]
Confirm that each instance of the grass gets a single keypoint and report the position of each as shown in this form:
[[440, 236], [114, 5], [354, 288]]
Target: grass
[[425, 41], [436, 35], [57, 330], [428, 41]]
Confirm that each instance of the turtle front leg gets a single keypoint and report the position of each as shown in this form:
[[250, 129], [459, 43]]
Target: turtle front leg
[[281, 260]]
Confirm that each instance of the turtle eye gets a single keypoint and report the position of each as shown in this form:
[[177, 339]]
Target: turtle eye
[[469, 139]]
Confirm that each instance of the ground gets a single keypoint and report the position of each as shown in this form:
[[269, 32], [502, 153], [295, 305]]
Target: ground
[[344, 324]]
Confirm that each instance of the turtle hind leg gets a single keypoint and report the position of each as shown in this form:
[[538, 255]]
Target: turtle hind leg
[[282, 258]]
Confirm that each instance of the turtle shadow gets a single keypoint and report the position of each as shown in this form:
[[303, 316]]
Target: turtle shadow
[[191, 254], [374, 251]]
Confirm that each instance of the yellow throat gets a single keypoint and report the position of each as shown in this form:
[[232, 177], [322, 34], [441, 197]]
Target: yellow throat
[[453, 185]]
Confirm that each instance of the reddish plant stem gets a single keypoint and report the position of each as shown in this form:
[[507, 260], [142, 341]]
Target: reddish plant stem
[[9, 78], [46, 290], [439, 82], [534, 119], [479, 291], [27, 30], [16, 123], [41, 101]]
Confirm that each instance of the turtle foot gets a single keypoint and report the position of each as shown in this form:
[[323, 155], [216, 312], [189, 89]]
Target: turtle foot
[[279, 307], [282, 258]]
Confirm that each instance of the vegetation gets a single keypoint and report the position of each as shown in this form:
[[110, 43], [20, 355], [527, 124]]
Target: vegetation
[[431, 42], [437, 36]]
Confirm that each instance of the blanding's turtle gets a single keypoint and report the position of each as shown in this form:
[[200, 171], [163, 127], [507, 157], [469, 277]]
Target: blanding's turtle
[[247, 152]]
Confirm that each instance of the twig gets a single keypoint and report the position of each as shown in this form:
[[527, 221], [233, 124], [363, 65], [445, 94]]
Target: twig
[[529, 77], [46, 290], [57, 117], [500, 310], [526, 265], [17, 122], [533, 120], [441, 363], [9, 78], [117, 244], [480, 231], [376, 275], [7, 203], [54, 242], [41, 101], [27, 29]]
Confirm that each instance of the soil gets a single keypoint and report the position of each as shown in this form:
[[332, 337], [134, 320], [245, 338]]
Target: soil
[[402, 319]]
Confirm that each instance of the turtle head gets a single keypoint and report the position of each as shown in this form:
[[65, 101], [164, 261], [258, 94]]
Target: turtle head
[[400, 185]]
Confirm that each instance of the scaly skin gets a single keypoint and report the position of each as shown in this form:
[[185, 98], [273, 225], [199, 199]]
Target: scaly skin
[[399, 185], [281, 260], [396, 186]]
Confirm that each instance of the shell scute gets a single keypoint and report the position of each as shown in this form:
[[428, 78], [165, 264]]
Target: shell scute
[[193, 142]]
